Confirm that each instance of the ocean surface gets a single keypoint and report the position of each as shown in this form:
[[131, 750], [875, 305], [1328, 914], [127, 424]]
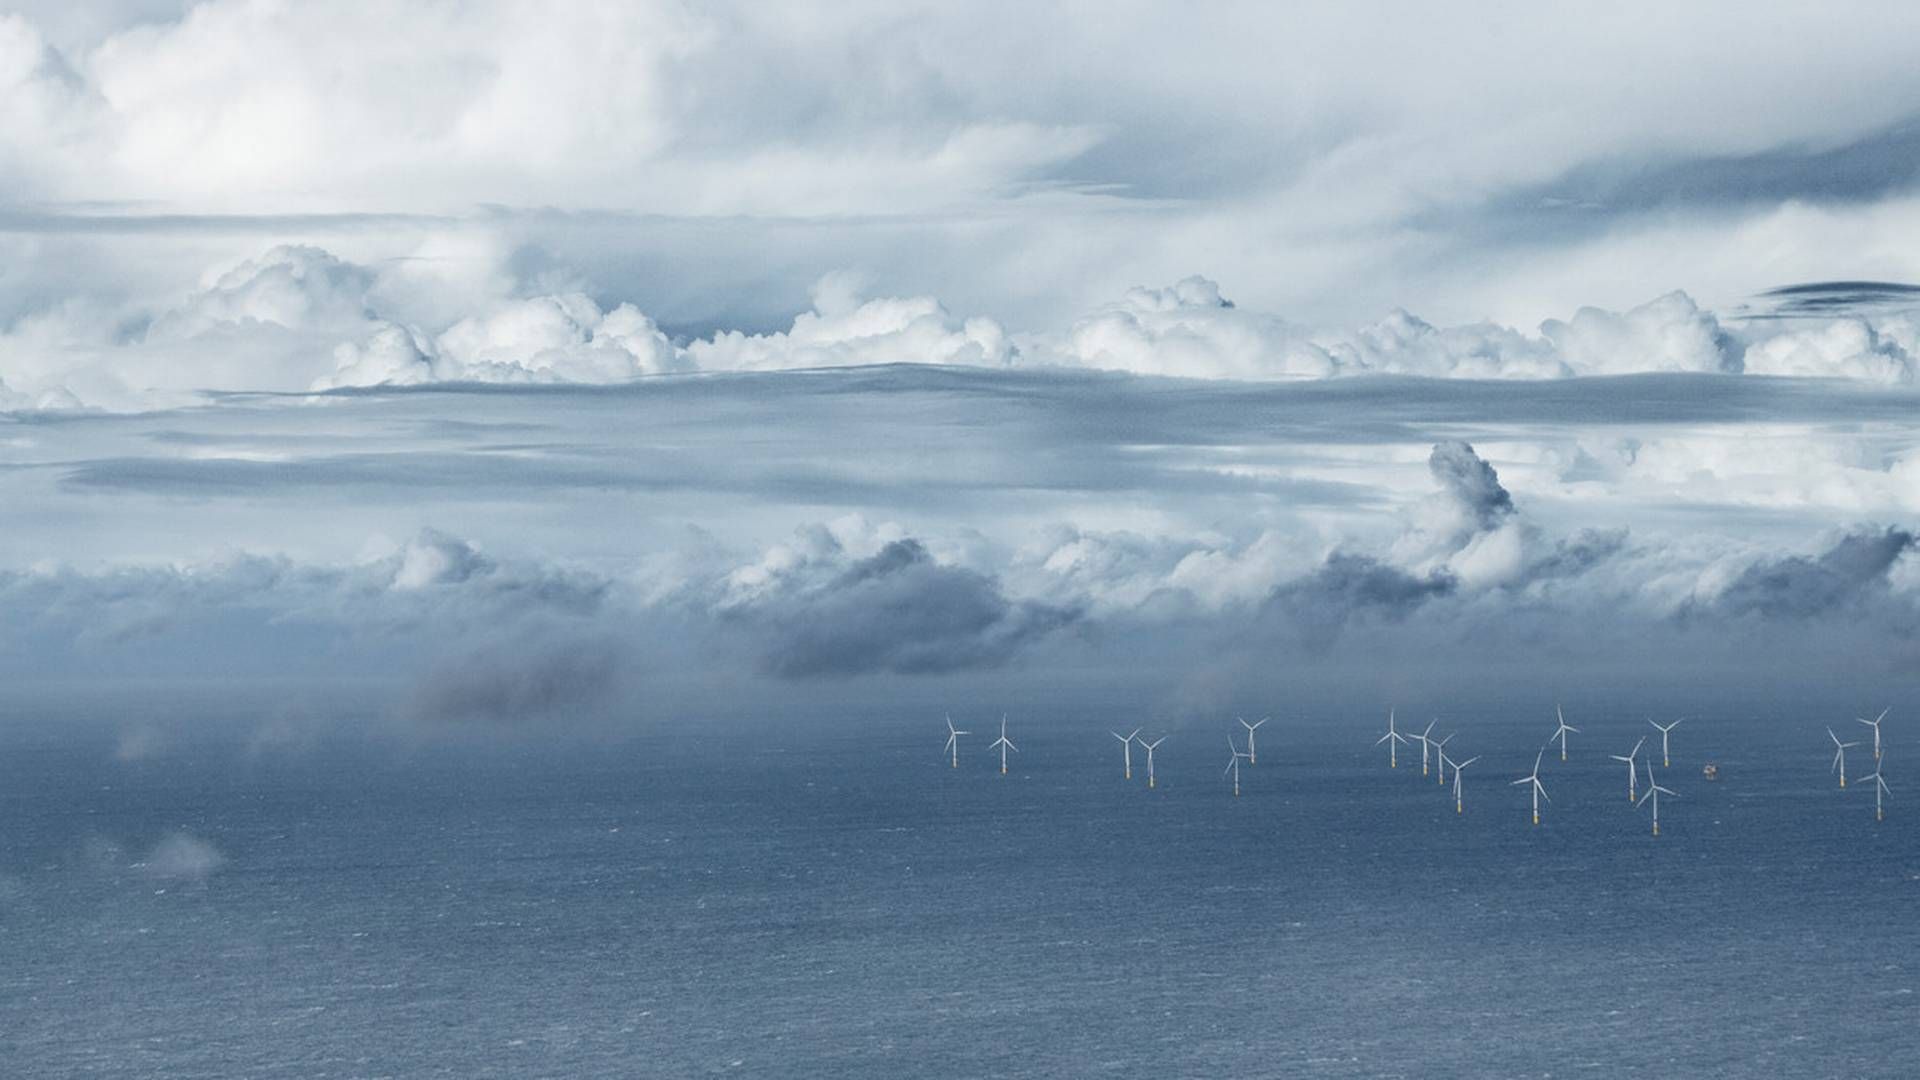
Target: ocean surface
[[831, 899]]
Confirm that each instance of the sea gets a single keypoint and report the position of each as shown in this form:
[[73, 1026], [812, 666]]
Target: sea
[[770, 897]]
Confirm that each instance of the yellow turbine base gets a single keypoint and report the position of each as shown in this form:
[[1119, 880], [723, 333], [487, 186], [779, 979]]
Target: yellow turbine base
[[1003, 770], [1879, 814], [1458, 809], [1843, 781], [1536, 819], [1656, 828], [1563, 755], [1129, 774], [1666, 763], [1149, 781]]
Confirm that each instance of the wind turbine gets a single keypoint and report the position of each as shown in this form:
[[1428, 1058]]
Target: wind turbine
[[1632, 772], [1253, 755], [1003, 744], [1539, 791], [1879, 789], [1149, 748], [1653, 792], [1126, 742], [1458, 807], [1839, 756], [953, 741], [1393, 739], [1562, 731], [1440, 750], [1875, 725], [1233, 765], [1425, 745], [1666, 759]]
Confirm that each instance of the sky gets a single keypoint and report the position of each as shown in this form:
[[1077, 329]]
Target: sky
[[527, 371]]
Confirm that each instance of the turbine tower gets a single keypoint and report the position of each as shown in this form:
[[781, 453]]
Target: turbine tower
[[1393, 739], [1126, 744], [1253, 755], [953, 741], [1875, 725], [1654, 791], [1458, 806], [1003, 744], [1440, 753], [1539, 791], [1562, 731], [1149, 747], [1632, 771], [1666, 759], [1839, 756], [1426, 744], [1879, 789], [1233, 764]]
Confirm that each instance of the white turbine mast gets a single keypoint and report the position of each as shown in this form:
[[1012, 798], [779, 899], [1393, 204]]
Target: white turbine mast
[[1253, 754], [1233, 764], [1875, 725], [1126, 744], [1458, 806], [1840, 756], [1666, 758], [1426, 744], [953, 741], [1393, 739], [1562, 731], [1539, 790], [1654, 791], [1003, 744], [1633, 771], [1150, 747]]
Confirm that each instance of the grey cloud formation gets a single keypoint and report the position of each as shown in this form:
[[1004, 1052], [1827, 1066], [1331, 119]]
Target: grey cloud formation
[[897, 610], [1850, 573], [539, 682], [1468, 479]]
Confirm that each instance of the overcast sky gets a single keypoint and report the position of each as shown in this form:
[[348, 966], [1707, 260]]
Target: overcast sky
[[526, 362]]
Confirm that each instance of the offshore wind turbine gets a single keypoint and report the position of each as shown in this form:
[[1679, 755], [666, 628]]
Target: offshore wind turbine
[[1393, 739], [1839, 756], [953, 741], [1126, 743], [1003, 744], [1653, 792], [1149, 748], [1233, 765], [1879, 788], [1440, 751], [1666, 759], [1426, 744], [1562, 731], [1875, 725], [1533, 778], [1253, 755], [1458, 806], [1632, 771]]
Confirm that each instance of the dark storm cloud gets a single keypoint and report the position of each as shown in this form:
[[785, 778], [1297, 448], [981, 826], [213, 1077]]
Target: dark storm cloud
[[1350, 586], [895, 611], [1575, 555], [1471, 482], [1850, 573]]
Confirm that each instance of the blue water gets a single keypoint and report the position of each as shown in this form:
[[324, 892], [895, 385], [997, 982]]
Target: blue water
[[834, 900]]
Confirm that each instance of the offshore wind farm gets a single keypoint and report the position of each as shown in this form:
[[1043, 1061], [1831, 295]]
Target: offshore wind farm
[[662, 539]]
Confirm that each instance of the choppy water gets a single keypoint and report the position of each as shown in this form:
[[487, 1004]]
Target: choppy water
[[809, 901]]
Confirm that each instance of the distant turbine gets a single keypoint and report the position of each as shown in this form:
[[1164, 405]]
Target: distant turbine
[[953, 741], [1253, 755], [1654, 791], [1875, 725], [1425, 745], [1879, 788], [1003, 744], [1393, 739], [1458, 807], [1839, 756], [1233, 765], [1632, 772], [1149, 746], [1533, 778], [1561, 732], [1126, 743], [1666, 759], [1440, 753]]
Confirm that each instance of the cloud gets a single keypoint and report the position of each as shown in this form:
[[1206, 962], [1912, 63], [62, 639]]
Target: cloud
[[1852, 572], [293, 286], [843, 329], [1188, 329], [1350, 586], [820, 610]]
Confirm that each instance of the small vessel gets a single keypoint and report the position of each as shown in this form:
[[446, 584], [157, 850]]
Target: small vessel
[[1710, 771]]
